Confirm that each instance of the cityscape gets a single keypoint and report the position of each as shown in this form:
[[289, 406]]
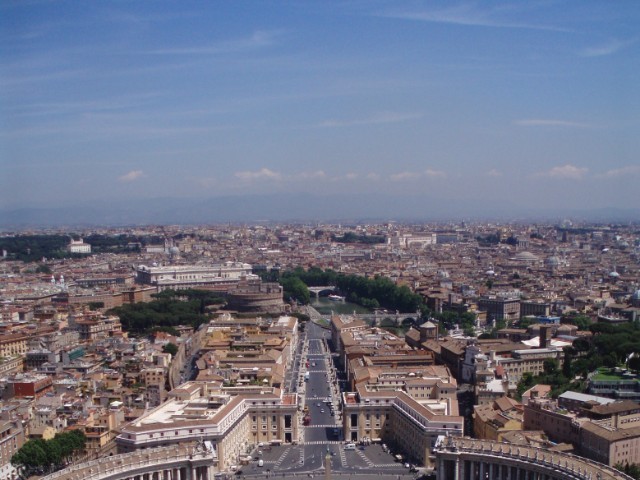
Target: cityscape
[[393, 239], [433, 350]]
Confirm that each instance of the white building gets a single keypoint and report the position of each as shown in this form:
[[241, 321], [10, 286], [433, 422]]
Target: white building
[[179, 277], [78, 246]]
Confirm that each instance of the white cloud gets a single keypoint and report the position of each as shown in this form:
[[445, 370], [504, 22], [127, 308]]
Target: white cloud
[[550, 122], [376, 119], [259, 39], [623, 171], [434, 173], [466, 14], [428, 173], [262, 174], [608, 48], [373, 176], [131, 176], [401, 176], [318, 174], [494, 173], [570, 172], [347, 177]]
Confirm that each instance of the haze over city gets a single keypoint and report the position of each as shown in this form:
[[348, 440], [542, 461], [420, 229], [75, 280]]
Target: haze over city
[[437, 107]]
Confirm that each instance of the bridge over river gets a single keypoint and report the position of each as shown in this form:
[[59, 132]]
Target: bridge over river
[[373, 319]]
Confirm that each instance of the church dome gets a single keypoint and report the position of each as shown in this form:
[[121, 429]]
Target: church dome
[[526, 257], [552, 261]]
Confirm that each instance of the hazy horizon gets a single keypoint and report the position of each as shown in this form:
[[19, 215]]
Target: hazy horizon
[[527, 106]]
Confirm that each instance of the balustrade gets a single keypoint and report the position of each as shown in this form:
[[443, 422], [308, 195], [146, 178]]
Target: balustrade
[[177, 462], [530, 462]]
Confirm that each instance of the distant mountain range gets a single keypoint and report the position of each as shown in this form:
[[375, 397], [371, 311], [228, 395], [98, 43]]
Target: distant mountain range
[[305, 208]]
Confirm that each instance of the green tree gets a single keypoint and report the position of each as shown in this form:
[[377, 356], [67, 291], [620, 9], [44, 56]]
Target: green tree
[[569, 353], [581, 321], [634, 362], [295, 289], [171, 348], [525, 383], [550, 366], [43, 269]]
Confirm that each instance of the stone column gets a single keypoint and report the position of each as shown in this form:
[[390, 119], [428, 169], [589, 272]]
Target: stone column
[[481, 472]]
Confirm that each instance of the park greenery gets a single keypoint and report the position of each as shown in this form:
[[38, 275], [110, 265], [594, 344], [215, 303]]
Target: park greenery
[[33, 248], [38, 455], [351, 237], [633, 470], [170, 308], [376, 292], [464, 320]]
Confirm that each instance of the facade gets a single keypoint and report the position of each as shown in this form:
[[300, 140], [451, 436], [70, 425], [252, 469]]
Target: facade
[[500, 308], [91, 328], [12, 436], [13, 344], [179, 277], [256, 297], [529, 308], [78, 246], [30, 385]]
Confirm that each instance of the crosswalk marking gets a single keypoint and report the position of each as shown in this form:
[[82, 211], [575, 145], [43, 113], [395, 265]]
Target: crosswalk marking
[[364, 458], [322, 442], [281, 459]]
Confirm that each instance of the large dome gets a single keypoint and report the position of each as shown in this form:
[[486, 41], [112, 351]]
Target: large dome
[[552, 261], [526, 257]]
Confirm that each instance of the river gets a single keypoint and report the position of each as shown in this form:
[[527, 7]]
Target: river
[[326, 306]]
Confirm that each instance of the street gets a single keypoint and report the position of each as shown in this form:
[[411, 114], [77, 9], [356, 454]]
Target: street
[[321, 397]]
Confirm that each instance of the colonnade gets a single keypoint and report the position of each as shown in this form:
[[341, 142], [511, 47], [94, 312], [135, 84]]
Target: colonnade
[[203, 472], [480, 470], [473, 459], [175, 462]]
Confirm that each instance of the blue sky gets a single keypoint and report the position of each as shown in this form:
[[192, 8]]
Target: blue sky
[[533, 103]]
